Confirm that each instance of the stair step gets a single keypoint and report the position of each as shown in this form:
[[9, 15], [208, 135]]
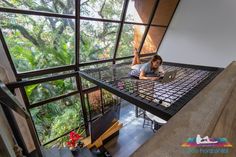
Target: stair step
[[56, 152], [65, 152]]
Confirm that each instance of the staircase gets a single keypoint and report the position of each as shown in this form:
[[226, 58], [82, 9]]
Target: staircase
[[56, 152], [65, 152]]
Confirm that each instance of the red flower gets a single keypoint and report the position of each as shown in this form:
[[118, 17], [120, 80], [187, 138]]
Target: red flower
[[68, 144], [74, 138]]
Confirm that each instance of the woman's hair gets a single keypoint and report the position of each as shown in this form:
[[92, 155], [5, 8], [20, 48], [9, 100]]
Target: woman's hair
[[155, 58]]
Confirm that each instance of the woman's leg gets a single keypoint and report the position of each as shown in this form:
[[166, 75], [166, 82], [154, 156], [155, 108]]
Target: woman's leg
[[136, 59]]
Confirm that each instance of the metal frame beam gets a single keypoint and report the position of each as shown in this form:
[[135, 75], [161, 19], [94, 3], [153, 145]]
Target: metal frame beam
[[125, 7], [32, 12], [77, 62]]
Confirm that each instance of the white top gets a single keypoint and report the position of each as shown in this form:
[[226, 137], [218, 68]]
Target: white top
[[155, 118]]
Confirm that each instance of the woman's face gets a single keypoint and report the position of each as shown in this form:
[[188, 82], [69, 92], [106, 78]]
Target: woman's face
[[156, 64]]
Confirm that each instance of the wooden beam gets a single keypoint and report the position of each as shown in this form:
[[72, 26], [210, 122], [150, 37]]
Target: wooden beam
[[99, 142]]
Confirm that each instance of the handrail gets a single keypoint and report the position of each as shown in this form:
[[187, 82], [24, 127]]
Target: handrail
[[10, 101]]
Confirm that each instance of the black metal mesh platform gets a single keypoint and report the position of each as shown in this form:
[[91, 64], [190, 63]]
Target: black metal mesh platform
[[146, 94]]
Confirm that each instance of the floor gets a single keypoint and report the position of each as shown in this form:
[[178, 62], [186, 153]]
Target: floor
[[131, 136]]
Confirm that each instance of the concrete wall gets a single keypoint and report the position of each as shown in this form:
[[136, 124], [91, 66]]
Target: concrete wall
[[7, 75], [6, 139], [202, 32]]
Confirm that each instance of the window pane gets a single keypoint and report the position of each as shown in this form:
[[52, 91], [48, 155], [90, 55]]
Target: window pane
[[46, 90], [97, 40], [37, 42], [104, 9], [95, 103], [153, 39], [55, 6], [109, 99], [56, 118], [30, 77], [124, 61], [139, 10], [164, 12], [86, 84], [130, 39]]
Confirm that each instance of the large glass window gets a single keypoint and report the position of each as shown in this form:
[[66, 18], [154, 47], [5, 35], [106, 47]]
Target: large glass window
[[55, 6], [97, 40], [130, 39], [37, 42], [104, 9]]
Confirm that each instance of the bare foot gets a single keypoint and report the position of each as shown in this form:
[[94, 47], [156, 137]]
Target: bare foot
[[136, 52]]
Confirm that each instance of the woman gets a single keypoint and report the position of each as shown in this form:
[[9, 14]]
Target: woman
[[151, 70]]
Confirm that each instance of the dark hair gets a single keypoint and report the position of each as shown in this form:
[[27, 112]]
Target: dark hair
[[155, 58]]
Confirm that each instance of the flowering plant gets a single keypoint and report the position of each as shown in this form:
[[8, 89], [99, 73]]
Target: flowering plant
[[74, 139]]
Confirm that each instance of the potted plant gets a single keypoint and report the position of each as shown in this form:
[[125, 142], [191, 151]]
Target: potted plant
[[75, 143]]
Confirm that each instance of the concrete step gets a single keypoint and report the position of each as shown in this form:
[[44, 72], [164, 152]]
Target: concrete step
[[56, 152]]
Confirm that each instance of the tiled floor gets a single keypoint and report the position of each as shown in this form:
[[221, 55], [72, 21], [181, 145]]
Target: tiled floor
[[131, 136]]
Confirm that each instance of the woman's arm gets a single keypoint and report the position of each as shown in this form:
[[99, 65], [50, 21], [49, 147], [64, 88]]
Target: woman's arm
[[161, 71], [142, 76]]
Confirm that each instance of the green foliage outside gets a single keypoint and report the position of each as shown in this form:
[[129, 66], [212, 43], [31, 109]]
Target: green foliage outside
[[46, 90], [54, 119]]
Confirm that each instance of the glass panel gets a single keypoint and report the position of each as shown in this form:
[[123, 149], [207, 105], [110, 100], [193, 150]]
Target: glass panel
[[104, 9], [55, 6], [124, 61], [95, 103], [96, 65], [97, 40], [37, 42], [130, 39], [139, 10], [164, 12], [109, 74], [86, 84], [46, 90], [109, 99], [56, 118], [30, 77], [153, 39]]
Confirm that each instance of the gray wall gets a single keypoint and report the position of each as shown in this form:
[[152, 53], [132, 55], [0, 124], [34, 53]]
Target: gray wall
[[5, 131], [202, 32], [6, 139], [7, 75]]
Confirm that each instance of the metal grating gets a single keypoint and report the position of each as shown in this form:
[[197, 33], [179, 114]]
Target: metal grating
[[189, 81]]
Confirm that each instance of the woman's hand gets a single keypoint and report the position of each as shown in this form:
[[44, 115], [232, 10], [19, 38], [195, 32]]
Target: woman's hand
[[143, 77]]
